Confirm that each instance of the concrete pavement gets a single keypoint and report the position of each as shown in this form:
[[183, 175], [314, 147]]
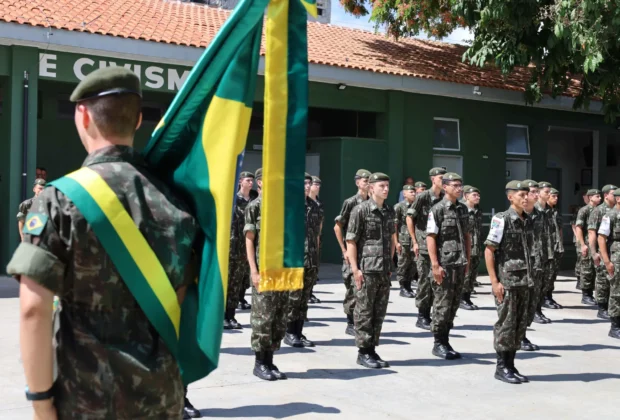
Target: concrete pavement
[[576, 374]]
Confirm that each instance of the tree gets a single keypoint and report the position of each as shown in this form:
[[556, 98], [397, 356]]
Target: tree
[[568, 45]]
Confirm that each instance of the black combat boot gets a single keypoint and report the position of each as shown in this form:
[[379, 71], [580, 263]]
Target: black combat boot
[[227, 319], [424, 320], [578, 284], [274, 369], [513, 369], [382, 363], [304, 341], [538, 318], [527, 345], [614, 331], [587, 297], [189, 411], [350, 330], [243, 304], [602, 311], [502, 372], [364, 358], [550, 301], [290, 338], [261, 369], [440, 349], [405, 291], [452, 354], [477, 284], [232, 321], [466, 302]]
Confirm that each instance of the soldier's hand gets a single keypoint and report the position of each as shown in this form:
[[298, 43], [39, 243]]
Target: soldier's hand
[[597, 259], [346, 258], [498, 292], [416, 249], [438, 274], [255, 279], [399, 248], [359, 278], [584, 250], [610, 268]]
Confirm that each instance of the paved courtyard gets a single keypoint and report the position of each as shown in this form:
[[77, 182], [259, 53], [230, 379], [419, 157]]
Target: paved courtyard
[[575, 375]]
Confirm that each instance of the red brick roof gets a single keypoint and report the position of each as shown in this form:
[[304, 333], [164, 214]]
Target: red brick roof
[[191, 24]]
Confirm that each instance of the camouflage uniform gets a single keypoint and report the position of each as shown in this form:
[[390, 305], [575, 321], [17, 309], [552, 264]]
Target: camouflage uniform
[[24, 208], [538, 258], [347, 275], [557, 240], [602, 279], [573, 222], [475, 228], [238, 268], [547, 249], [611, 229], [372, 228], [449, 223], [406, 269], [111, 362], [509, 234], [587, 265], [268, 316], [419, 213]]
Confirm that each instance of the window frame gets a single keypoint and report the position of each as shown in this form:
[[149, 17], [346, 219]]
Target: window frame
[[527, 138], [458, 134]]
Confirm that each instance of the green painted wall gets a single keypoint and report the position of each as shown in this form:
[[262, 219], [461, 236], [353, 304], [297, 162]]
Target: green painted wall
[[5, 61], [5, 177]]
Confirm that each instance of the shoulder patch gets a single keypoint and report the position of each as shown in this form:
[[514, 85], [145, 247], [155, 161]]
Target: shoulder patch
[[35, 223], [496, 232]]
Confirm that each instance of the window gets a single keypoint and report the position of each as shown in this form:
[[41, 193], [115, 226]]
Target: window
[[446, 134], [517, 140], [65, 109], [152, 112]]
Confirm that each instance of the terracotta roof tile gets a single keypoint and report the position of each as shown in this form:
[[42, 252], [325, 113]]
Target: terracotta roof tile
[[195, 25]]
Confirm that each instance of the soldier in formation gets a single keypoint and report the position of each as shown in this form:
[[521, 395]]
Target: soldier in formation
[[573, 225], [406, 264], [370, 251], [557, 236], [586, 266], [24, 207], [340, 228], [471, 198], [544, 190], [315, 189]]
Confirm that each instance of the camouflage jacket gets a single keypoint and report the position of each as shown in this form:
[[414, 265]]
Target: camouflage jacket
[[475, 229], [313, 226], [557, 237], [321, 209], [252, 222], [610, 227], [237, 237], [538, 239], [547, 223], [582, 220], [345, 213], [449, 222], [400, 222], [595, 219], [419, 211], [112, 363], [573, 222], [371, 228], [24, 208], [509, 234]]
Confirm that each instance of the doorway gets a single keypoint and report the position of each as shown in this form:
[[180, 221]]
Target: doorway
[[451, 163]]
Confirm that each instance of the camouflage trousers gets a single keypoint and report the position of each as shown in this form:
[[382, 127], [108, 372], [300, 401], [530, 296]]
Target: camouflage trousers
[[602, 284], [552, 274], [268, 319], [447, 299], [509, 330], [535, 295], [424, 297], [349, 284], [370, 309], [298, 299], [406, 269], [578, 265], [614, 290], [237, 273], [245, 284], [472, 275], [587, 272]]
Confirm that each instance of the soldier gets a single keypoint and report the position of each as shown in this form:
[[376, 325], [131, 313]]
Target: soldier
[[573, 222], [544, 189], [557, 236], [370, 248], [315, 189], [587, 264], [594, 223], [508, 264], [449, 244], [24, 207], [238, 268], [404, 271], [340, 228], [41, 173], [420, 187], [111, 362], [417, 216], [268, 316], [472, 201], [609, 242], [298, 299]]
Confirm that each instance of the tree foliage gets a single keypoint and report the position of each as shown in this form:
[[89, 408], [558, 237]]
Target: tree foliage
[[564, 42]]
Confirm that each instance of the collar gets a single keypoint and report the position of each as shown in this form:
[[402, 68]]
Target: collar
[[115, 154], [447, 203], [514, 215]]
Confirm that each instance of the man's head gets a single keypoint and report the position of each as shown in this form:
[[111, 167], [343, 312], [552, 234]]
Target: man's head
[[409, 181], [554, 195], [452, 184], [380, 185], [315, 189], [608, 194], [617, 197], [307, 183], [544, 189], [471, 194], [517, 193], [361, 180], [533, 193], [41, 173], [409, 192], [258, 176], [584, 195], [39, 186], [246, 181], [594, 197], [436, 175], [419, 187], [108, 107]]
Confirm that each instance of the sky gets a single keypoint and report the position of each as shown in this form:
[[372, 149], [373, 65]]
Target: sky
[[341, 18]]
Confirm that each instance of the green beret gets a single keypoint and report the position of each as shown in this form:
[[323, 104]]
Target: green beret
[[420, 184], [554, 191], [316, 180], [107, 81], [408, 187], [544, 184], [246, 174], [437, 171], [362, 173], [593, 191], [308, 177], [617, 193], [469, 189], [608, 188], [530, 183], [517, 186], [452, 176], [378, 177], [258, 174], [40, 181]]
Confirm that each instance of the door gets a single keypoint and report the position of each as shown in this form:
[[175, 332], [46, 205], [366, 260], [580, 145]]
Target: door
[[451, 163], [254, 160], [517, 169]]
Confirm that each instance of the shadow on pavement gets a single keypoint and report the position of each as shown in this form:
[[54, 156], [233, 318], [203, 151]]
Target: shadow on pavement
[[246, 351], [350, 342], [474, 327], [583, 347], [402, 314], [591, 307], [574, 377], [344, 319], [330, 301], [523, 355], [273, 411], [466, 360], [311, 323], [580, 321], [339, 374]]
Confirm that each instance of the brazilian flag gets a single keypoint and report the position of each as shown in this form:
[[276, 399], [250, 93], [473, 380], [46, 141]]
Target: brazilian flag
[[198, 149]]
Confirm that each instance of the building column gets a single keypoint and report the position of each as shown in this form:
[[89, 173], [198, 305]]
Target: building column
[[395, 136], [599, 159]]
